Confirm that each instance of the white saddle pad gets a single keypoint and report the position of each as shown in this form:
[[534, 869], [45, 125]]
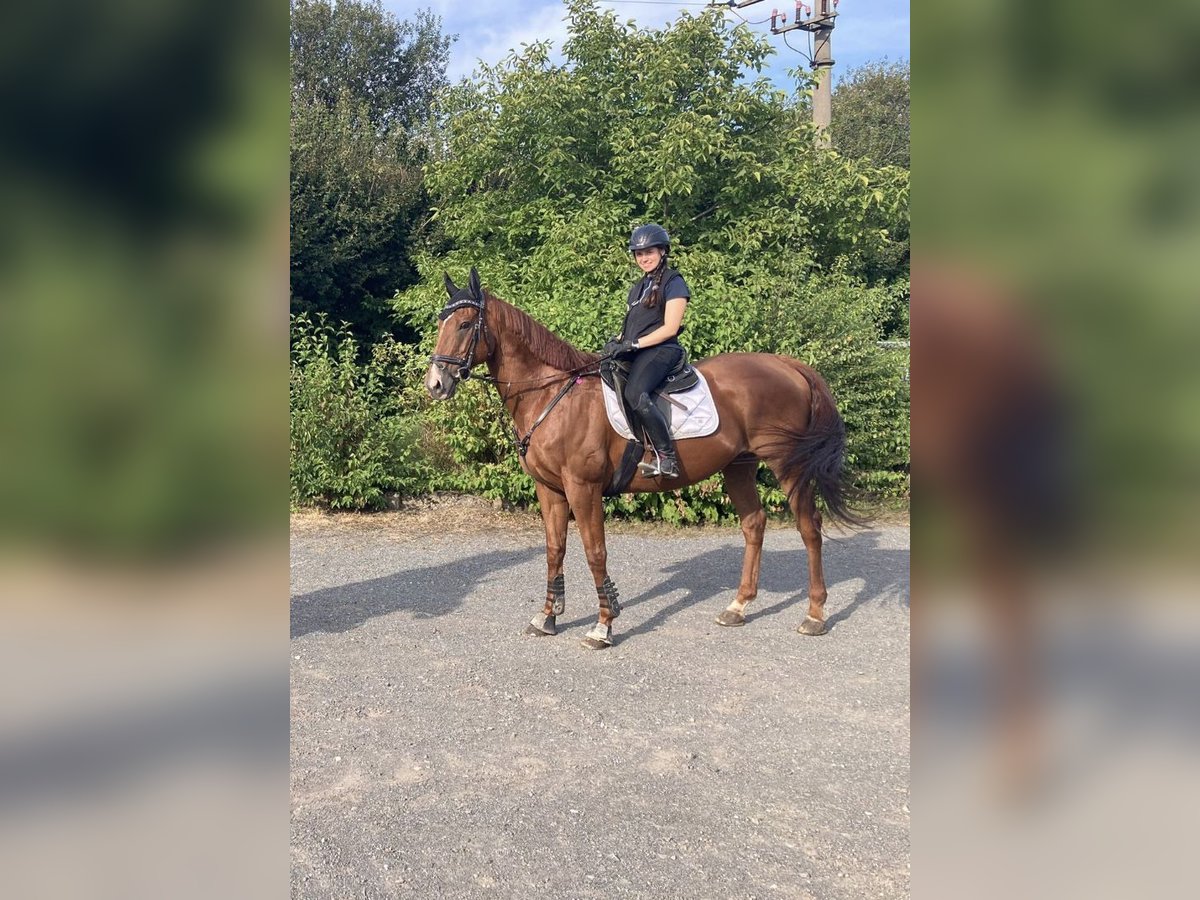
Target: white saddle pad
[[691, 413]]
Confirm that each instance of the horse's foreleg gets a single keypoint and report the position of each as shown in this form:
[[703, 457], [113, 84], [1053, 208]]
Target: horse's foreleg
[[555, 513], [808, 520], [739, 484], [588, 505]]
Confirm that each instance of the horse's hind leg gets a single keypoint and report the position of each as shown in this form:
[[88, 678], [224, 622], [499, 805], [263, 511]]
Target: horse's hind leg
[[808, 520], [555, 513], [742, 490]]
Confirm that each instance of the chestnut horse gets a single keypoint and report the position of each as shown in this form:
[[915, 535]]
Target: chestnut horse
[[771, 408]]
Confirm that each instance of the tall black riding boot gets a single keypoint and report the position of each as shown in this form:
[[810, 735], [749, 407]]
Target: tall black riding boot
[[666, 464]]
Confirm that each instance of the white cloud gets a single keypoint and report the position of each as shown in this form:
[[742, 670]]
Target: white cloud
[[495, 38]]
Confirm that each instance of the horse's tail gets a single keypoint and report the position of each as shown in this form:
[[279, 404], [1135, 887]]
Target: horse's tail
[[818, 453]]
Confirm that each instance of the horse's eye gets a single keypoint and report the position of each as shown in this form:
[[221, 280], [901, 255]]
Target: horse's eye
[[463, 326]]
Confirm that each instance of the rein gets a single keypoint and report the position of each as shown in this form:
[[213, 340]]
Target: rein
[[522, 443]]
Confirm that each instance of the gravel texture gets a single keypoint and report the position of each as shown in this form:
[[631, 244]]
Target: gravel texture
[[439, 752]]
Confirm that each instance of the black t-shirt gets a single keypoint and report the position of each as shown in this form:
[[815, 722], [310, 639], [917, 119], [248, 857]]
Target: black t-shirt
[[641, 319]]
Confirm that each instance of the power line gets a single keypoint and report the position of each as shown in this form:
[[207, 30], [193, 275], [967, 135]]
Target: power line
[[818, 20], [807, 56], [747, 21]]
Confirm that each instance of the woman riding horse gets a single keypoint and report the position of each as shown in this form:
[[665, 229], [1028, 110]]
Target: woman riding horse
[[772, 409], [653, 318]]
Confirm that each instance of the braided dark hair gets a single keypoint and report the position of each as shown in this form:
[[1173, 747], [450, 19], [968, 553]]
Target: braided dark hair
[[656, 285]]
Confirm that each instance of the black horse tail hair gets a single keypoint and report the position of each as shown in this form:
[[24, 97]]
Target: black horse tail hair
[[818, 453]]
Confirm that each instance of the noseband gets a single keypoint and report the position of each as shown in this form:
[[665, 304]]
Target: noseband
[[467, 362]]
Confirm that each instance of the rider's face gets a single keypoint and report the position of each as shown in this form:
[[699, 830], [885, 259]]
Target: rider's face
[[648, 259]]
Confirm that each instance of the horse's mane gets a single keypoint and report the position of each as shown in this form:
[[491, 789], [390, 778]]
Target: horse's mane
[[541, 341]]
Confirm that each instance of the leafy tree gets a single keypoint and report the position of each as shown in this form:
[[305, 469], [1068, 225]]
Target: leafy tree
[[649, 125], [870, 114], [362, 83], [393, 68]]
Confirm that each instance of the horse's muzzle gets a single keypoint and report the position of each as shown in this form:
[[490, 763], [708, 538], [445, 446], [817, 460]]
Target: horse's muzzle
[[439, 382]]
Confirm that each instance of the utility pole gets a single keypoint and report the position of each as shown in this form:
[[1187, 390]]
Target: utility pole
[[819, 23]]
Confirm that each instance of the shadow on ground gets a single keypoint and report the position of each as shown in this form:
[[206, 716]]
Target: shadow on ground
[[709, 577], [426, 593], [714, 576]]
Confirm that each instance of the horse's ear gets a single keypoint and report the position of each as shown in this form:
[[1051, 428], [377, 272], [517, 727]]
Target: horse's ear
[[473, 283], [451, 289]]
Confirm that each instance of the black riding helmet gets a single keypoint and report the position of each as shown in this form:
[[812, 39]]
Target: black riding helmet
[[646, 236]]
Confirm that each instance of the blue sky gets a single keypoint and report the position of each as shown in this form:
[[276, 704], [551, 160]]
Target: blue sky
[[489, 29]]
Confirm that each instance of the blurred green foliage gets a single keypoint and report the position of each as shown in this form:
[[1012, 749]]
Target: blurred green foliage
[[1055, 148], [142, 247], [1058, 168]]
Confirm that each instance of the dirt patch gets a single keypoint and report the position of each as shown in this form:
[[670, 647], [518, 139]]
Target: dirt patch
[[436, 749], [466, 514], [445, 513]]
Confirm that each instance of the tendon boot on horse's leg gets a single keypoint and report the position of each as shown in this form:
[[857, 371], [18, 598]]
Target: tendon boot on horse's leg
[[588, 504], [610, 607], [659, 431], [555, 513], [556, 601]]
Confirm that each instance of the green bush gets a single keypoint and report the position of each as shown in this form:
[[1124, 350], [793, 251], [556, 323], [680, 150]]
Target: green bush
[[835, 326], [353, 438], [359, 431]]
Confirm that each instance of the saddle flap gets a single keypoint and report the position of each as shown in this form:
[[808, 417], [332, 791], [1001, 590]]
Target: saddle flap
[[690, 413]]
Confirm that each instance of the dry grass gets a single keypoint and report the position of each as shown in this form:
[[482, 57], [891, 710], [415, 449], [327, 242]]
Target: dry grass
[[440, 513]]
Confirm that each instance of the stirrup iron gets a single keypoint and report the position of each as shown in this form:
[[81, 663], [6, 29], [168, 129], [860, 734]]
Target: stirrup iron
[[650, 469], [654, 469]]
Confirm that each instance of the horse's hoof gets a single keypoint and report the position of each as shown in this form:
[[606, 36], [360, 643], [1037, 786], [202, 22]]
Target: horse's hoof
[[541, 626], [811, 626], [598, 638], [730, 618]]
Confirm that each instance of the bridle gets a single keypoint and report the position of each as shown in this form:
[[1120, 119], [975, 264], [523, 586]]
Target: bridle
[[467, 362]]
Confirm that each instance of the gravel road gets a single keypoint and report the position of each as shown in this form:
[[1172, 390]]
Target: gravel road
[[437, 752]]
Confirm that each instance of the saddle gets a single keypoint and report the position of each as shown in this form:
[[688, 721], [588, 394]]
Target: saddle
[[681, 378], [694, 408]]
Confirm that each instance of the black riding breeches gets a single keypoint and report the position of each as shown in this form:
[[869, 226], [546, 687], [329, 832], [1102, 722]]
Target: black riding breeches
[[649, 369]]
